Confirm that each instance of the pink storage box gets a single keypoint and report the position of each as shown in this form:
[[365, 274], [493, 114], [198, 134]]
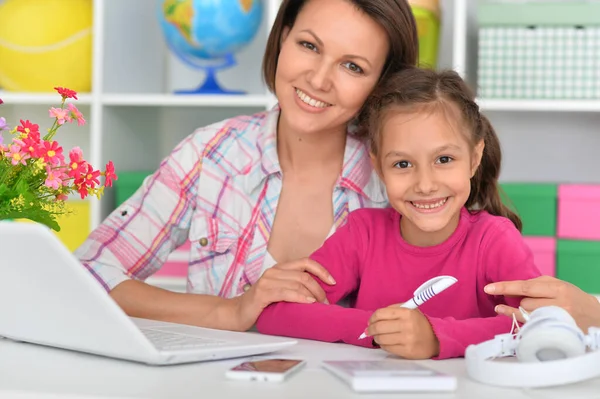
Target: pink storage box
[[544, 253], [177, 264], [579, 212]]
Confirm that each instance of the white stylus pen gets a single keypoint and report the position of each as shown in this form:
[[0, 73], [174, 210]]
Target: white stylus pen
[[425, 292]]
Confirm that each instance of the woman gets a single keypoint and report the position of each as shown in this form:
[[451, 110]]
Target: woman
[[257, 194]]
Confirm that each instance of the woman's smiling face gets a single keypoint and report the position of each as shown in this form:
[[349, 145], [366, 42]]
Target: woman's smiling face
[[330, 61]]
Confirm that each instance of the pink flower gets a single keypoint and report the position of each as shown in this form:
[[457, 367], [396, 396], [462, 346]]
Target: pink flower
[[17, 155], [75, 114], [82, 188], [27, 127], [53, 178], [109, 174], [61, 115], [76, 164], [90, 177], [31, 144], [87, 181], [66, 93], [51, 152], [76, 155]]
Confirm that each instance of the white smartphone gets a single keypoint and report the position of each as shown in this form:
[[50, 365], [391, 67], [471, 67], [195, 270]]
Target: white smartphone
[[271, 370], [392, 375]]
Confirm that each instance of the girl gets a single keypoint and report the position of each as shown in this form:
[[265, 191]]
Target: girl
[[439, 159], [254, 194]]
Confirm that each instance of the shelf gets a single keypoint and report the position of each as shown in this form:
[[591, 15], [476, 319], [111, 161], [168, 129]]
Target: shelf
[[10, 98], [540, 105], [144, 100], [185, 100]]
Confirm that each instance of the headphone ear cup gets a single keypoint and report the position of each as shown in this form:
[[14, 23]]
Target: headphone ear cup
[[552, 342], [550, 334]]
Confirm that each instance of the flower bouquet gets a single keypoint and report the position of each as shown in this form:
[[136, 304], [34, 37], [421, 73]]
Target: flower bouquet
[[35, 178]]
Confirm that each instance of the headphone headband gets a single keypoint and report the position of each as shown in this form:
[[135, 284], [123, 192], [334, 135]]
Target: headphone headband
[[482, 367]]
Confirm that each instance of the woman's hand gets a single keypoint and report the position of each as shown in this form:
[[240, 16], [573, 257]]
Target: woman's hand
[[285, 282], [547, 291], [403, 332]]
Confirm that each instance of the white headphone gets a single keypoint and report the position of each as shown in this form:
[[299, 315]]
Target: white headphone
[[550, 348]]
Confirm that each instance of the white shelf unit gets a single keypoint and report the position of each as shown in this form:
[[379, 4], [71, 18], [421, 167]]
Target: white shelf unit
[[552, 141], [134, 77]]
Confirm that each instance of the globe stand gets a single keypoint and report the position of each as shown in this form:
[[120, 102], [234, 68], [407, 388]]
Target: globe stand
[[210, 84]]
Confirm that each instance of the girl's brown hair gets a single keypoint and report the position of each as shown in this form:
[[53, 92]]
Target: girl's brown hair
[[394, 16], [415, 88]]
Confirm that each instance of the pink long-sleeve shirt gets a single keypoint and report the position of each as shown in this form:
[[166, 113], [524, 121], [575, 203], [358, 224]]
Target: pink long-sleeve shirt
[[369, 258]]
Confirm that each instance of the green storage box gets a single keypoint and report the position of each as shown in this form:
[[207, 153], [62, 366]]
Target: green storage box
[[538, 49], [578, 262], [127, 184], [535, 203]]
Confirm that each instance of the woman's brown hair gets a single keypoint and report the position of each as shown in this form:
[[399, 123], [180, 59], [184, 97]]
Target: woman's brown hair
[[414, 88], [394, 16]]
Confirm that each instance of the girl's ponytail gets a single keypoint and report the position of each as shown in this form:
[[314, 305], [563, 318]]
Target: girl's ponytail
[[485, 192]]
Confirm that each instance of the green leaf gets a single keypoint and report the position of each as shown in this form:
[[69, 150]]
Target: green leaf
[[35, 215]]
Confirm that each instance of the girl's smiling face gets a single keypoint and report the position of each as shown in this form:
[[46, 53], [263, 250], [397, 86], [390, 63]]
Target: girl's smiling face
[[426, 164]]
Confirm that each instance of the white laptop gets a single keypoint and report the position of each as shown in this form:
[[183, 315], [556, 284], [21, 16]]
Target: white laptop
[[47, 297]]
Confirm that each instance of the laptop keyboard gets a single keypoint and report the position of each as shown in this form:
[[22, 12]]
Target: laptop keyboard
[[166, 340]]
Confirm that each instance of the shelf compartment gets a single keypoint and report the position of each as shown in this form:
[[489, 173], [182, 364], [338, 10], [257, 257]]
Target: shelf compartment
[[40, 98]]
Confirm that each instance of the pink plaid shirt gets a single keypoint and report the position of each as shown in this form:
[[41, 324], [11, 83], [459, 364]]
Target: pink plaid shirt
[[218, 189]]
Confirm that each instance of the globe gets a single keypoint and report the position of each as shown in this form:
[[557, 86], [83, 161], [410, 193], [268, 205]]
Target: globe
[[205, 34]]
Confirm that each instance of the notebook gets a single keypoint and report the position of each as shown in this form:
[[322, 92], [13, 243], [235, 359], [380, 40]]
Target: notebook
[[390, 375]]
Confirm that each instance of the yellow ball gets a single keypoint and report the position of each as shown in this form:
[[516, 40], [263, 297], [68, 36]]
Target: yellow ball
[[46, 43]]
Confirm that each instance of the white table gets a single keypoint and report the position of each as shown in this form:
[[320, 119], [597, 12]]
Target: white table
[[30, 371]]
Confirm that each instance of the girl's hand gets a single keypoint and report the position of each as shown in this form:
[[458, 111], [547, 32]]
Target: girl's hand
[[285, 282], [403, 332]]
